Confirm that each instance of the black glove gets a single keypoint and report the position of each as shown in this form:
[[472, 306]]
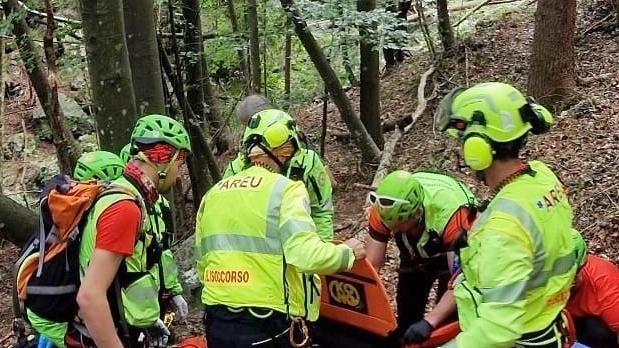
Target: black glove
[[418, 332]]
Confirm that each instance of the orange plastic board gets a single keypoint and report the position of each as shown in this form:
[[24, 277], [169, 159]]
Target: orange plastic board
[[358, 298]]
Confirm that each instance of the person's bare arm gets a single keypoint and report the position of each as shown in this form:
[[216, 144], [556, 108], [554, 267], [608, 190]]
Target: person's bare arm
[[91, 298], [375, 251], [443, 309]]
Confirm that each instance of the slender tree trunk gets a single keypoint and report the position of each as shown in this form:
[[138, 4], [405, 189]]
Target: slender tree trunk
[[109, 70], [193, 57], [361, 137], [254, 45], [1, 102], [17, 222], [235, 29], [344, 44], [67, 150], [347, 62], [444, 25], [143, 56], [199, 88], [552, 65], [369, 101], [287, 64], [201, 163]]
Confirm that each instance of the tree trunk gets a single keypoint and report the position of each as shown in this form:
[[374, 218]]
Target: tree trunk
[[17, 222], [254, 46], [46, 87], [552, 65], [141, 39], [369, 99], [344, 41], [222, 134], [201, 162], [369, 150], [193, 56], [235, 29], [198, 82], [110, 72], [287, 65], [444, 25], [1, 102]]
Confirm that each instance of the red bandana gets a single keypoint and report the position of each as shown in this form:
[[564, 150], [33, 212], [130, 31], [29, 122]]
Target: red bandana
[[145, 185], [159, 153]]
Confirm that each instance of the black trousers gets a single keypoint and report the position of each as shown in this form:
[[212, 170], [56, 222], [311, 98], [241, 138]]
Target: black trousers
[[592, 331], [226, 329], [414, 286], [75, 339]]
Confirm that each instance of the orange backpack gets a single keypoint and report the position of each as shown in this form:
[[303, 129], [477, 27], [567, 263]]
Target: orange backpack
[[47, 273]]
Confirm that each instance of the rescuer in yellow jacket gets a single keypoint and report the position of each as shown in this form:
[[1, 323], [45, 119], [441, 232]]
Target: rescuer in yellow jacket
[[258, 251], [519, 263]]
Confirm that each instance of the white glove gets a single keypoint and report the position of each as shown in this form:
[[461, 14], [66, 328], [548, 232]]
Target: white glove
[[182, 310], [158, 335]]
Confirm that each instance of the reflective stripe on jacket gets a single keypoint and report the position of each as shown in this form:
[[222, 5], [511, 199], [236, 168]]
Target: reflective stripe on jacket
[[519, 263], [307, 167], [255, 240]]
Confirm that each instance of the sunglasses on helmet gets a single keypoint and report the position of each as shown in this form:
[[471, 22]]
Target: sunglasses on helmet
[[385, 201]]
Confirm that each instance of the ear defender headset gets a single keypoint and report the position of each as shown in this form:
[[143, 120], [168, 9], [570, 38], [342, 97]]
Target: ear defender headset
[[477, 148]]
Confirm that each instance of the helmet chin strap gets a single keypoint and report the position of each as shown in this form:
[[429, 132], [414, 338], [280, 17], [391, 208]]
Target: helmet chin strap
[[271, 156], [161, 173]]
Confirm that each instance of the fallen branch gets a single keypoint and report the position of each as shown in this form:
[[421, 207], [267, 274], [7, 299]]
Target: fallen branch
[[44, 15], [596, 24], [480, 5], [588, 80], [422, 102], [364, 186]]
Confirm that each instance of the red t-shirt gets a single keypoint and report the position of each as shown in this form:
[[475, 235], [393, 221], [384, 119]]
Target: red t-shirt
[[458, 221], [117, 227], [598, 293]]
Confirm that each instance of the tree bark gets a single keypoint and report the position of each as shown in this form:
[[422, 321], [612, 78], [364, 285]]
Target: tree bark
[[143, 56], [17, 222], [287, 65], [344, 41], [369, 95], [552, 65], [46, 87], [1, 103], [235, 29], [199, 88], [254, 45], [369, 150], [201, 162], [110, 72], [444, 26]]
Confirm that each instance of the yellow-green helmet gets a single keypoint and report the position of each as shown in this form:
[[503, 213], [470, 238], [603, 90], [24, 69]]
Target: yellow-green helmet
[[270, 128], [580, 248], [397, 198], [100, 165], [493, 109], [159, 128], [125, 153]]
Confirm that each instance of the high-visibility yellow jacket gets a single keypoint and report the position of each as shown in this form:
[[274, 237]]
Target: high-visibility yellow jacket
[[519, 263], [307, 167], [257, 246]]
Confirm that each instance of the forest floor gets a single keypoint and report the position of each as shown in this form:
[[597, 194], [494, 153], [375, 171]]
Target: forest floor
[[583, 146]]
